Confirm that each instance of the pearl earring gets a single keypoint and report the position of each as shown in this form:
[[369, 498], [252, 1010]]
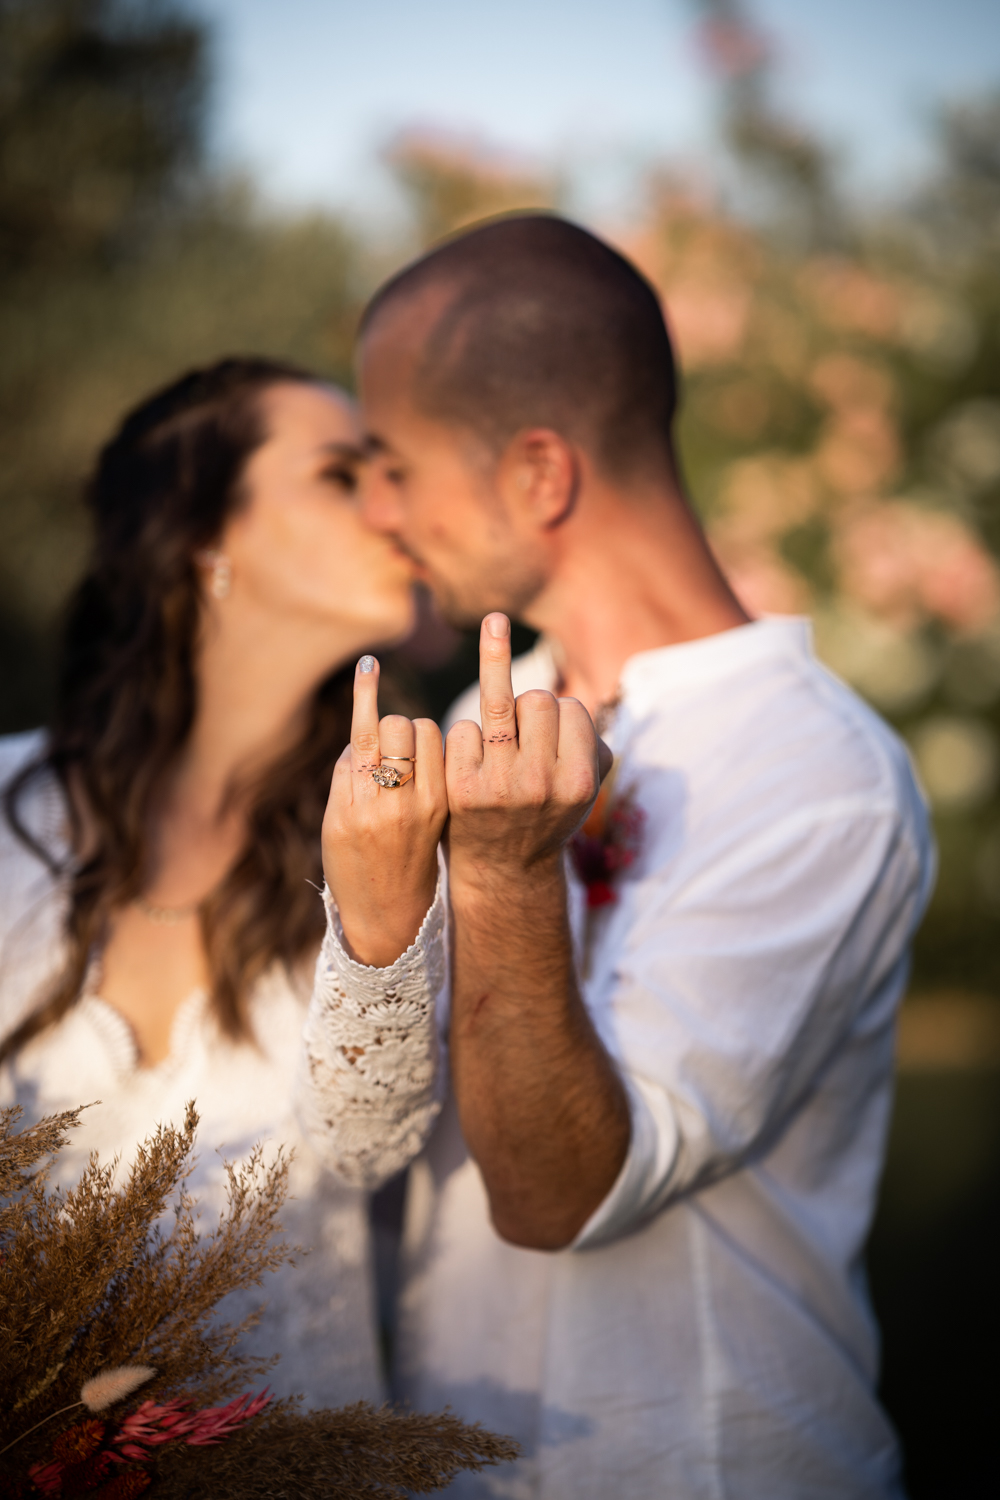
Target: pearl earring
[[220, 572]]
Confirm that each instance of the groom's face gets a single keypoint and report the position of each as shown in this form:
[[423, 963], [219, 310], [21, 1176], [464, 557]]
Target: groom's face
[[441, 494]]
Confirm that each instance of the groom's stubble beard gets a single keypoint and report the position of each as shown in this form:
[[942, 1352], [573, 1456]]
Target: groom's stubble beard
[[505, 586], [499, 573]]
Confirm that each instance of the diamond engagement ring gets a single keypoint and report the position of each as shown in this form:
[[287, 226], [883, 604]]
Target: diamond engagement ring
[[388, 777]]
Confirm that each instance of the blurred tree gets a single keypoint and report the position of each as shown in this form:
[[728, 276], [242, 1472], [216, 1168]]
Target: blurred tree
[[449, 182], [962, 206], [101, 116], [785, 160], [122, 262]]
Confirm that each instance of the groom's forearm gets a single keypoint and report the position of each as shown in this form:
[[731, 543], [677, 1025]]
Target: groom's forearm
[[542, 1107]]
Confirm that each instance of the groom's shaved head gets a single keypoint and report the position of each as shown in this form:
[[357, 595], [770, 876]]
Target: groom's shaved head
[[532, 322]]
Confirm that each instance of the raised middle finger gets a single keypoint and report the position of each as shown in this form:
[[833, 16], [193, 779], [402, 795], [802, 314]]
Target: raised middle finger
[[496, 695]]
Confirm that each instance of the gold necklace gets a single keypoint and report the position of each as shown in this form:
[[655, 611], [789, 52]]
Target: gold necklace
[[166, 916]]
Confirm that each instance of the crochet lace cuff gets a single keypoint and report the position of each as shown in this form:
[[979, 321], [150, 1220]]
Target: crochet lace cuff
[[373, 1067]]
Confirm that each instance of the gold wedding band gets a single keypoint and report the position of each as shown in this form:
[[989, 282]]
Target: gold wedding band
[[412, 759]]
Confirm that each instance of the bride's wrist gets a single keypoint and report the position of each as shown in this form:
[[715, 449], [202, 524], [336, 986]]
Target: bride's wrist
[[377, 938], [381, 911]]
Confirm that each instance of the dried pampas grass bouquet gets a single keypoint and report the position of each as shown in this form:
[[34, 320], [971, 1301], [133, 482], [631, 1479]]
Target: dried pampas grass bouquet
[[115, 1378]]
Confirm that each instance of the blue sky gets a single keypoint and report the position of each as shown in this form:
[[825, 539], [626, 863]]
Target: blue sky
[[308, 90]]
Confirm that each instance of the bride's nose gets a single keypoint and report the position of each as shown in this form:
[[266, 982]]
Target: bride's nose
[[380, 504]]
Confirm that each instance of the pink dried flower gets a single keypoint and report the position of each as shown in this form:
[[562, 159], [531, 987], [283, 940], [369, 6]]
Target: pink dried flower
[[217, 1422], [152, 1424], [113, 1385]]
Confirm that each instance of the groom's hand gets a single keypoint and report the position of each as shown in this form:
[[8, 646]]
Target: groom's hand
[[543, 1110], [520, 787]]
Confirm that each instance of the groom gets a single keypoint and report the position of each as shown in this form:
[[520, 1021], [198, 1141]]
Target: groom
[[636, 1239]]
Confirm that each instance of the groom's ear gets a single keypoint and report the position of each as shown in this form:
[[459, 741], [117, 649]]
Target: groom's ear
[[539, 476]]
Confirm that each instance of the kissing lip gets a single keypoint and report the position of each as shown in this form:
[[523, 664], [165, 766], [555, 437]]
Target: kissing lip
[[416, 563]]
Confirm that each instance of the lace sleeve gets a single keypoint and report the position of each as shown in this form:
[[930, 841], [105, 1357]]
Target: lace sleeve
[[373, 1066]]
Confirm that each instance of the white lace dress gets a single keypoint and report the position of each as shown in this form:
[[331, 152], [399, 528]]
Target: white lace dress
[[361, 1046]]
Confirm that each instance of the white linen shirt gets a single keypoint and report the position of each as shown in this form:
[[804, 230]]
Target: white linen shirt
[[708, 1336]]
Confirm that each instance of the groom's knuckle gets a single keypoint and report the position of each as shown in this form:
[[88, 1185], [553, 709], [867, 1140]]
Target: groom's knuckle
[[460, 787], [534, 790], [537, 700], [497, 710], [579, 784]]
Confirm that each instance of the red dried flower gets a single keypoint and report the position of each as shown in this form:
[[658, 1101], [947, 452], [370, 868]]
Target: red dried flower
[[47, 1477], [607, 843], [124, 1486], [78, 1442], [88, 1475]]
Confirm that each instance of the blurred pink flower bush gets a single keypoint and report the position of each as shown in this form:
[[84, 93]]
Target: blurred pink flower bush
[[909, 564], [831, 439]]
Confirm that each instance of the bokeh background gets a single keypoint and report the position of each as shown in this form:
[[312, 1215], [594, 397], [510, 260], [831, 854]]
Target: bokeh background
[[814, 189]]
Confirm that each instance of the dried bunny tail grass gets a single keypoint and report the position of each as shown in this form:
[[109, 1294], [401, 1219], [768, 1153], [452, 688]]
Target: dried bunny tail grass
[[103, 1390]]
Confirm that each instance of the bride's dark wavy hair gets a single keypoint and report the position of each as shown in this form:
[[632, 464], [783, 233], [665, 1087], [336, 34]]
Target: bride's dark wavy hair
[[126, 697]]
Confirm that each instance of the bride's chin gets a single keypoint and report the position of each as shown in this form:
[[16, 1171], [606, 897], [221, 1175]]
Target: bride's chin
[[399, 621]]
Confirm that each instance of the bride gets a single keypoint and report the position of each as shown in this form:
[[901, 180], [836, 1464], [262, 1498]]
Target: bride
[[160, 915]]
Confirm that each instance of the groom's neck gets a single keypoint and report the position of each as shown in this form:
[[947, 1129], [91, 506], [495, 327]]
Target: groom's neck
[[632, 573]]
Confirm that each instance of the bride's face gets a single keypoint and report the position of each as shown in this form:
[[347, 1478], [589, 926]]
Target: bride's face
[[296, 543]]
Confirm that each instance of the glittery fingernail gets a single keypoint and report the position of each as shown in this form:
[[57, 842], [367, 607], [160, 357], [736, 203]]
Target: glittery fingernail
[[366, 664]]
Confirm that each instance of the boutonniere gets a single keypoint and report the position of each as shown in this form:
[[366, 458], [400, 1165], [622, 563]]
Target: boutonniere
[[608, 842]]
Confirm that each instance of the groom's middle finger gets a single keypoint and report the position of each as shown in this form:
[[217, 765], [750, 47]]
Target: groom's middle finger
[[496, 696]]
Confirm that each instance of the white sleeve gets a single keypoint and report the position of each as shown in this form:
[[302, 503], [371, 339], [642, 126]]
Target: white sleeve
[[732, 996], [373, 1067]]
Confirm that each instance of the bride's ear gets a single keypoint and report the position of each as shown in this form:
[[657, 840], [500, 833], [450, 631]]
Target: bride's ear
[[539, 474]]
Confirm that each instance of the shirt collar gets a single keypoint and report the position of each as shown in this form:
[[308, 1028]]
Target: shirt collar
[[648, 675]]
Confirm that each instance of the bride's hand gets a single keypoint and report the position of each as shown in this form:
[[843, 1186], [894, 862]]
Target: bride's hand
[[380, 844]]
